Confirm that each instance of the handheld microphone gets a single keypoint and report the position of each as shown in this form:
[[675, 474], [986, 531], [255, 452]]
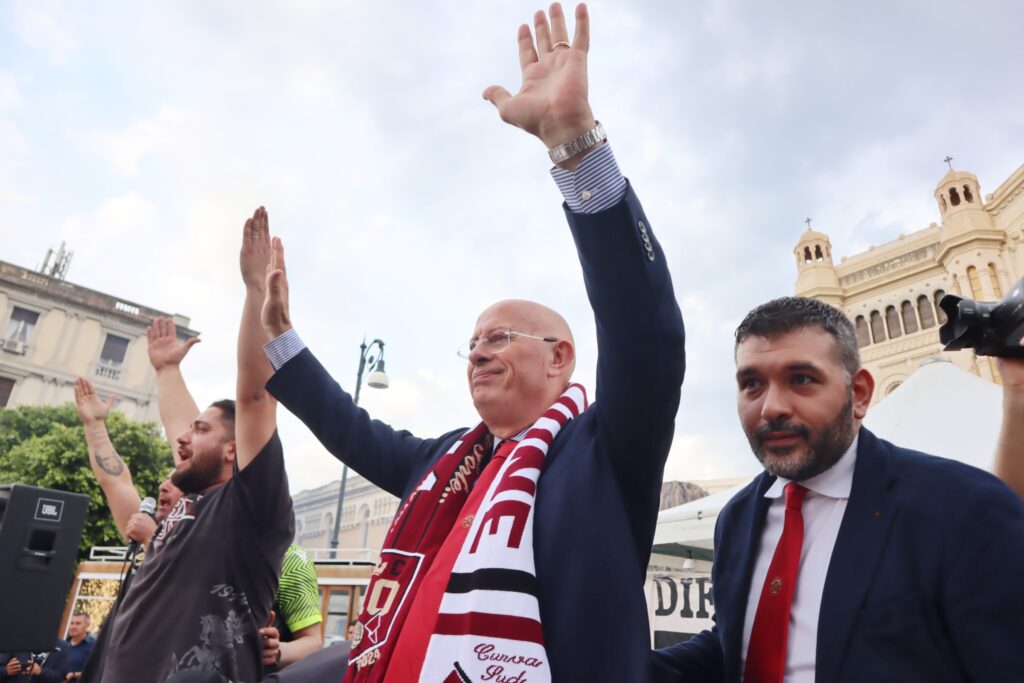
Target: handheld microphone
[[148, 506]]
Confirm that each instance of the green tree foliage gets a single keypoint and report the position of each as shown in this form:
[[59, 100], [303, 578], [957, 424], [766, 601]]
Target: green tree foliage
[[45, 446]]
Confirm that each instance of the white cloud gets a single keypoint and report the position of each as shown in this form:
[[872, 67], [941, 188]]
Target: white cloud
[[43, 25], [10, 93], [407, 207], [126, 149]]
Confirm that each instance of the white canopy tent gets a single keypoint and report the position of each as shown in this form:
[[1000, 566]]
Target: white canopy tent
[[940, 409], [688, 530]]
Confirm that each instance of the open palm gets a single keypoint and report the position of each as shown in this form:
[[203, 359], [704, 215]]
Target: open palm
[[91, 408], [552, 102], [163, 346]]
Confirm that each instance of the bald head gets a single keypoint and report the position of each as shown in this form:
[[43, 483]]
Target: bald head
[[528, 316], [512, 387]]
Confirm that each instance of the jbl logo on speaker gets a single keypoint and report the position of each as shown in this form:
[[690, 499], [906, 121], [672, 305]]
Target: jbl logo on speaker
[[48, 510]]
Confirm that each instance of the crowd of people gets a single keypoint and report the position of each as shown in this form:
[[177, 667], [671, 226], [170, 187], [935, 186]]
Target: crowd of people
[[842, 561]]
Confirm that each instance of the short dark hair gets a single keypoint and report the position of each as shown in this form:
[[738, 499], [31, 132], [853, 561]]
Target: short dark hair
[[227, 413], [791, 313]]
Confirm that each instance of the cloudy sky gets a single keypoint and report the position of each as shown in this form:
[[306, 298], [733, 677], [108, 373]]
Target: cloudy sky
[[144, 133]]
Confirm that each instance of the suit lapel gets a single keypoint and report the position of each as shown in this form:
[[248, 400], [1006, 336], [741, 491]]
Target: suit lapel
[[859, 545], [733, 583]]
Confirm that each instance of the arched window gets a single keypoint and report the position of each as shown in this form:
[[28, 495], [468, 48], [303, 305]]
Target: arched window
[[940, 314], [328, 524], [972, 277], [863, 336], [954, 198], [968, 197], [817, 254], [877, 327], [942, 202], [807, 255], [996, 289], [366, 528], [994, 369], [892, 321], [924, 311], [909, 317], [893, 387]]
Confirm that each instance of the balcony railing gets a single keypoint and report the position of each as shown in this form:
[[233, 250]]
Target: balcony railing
[[111, 373]]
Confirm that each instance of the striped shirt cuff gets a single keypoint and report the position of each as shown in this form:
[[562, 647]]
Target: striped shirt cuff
[[283, 349], [596, 185]]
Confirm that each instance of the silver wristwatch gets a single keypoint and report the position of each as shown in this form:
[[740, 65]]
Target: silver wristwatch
[[592, 138]]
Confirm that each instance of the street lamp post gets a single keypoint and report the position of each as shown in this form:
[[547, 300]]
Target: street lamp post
[[371, 354]]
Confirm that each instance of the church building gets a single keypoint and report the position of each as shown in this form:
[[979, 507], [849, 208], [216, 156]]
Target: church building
[[891, 291]]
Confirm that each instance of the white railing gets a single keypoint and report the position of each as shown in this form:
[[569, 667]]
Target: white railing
[[110, 373], [108, 553], [344, 555]]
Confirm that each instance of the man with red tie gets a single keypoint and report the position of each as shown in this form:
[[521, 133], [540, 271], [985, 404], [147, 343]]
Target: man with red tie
[[849, 558]]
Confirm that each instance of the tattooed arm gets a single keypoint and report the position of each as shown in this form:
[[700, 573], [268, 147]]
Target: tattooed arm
[[112, 474]]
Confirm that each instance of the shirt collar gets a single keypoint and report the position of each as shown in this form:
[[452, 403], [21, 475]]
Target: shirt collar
[[517, 438], [835, 482]]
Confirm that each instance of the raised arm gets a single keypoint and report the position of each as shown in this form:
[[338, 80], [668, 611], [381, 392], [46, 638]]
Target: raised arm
[[1010, 454], [552, 102], [624, 268], [112, 474], [262, 265], [177, 407]]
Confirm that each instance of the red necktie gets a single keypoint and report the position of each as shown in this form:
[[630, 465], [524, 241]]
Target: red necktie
[[766, 653]]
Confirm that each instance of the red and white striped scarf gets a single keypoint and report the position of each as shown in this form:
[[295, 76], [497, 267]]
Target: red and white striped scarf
[[489, 620]]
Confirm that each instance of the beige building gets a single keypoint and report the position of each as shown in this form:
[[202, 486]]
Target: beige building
[[53, 331], [364, 521], [891, 291]]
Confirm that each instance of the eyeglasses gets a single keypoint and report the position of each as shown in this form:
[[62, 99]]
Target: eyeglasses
[[497, 341]]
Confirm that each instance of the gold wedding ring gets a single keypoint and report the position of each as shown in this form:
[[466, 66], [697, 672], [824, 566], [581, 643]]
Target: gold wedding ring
[[561, 43]]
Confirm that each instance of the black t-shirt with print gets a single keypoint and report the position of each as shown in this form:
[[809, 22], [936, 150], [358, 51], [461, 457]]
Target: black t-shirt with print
[[208, 581]]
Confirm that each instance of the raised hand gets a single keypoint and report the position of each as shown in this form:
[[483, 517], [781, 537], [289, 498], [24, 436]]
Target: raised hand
[[90, 407], [163, 345], [255, 254], [274, 316], [552, 100]]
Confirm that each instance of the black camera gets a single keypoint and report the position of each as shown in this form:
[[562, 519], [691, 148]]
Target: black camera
[[991, 329]]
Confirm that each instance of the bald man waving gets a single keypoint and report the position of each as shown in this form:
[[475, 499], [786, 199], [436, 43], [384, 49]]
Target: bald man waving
[[520, 548]]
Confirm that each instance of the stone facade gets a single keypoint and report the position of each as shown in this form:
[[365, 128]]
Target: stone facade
[[891, 291], [53, 331], [367, 512]]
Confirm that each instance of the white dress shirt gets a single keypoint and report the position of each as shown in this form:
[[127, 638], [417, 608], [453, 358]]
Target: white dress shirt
[[823, 509]]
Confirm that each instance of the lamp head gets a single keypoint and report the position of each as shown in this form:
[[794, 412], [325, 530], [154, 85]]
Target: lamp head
[[378, 379]]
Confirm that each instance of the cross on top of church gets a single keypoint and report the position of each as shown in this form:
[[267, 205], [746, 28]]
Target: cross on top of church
[[949, 162], [808, 222]]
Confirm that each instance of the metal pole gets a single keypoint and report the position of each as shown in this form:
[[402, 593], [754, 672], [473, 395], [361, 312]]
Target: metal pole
[[344, 467]]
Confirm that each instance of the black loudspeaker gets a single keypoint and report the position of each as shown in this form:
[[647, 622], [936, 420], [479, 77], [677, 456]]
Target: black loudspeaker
[[40, 530]]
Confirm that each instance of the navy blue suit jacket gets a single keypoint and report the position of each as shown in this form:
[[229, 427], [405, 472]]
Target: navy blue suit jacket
[[597, 500], [924, 584]]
